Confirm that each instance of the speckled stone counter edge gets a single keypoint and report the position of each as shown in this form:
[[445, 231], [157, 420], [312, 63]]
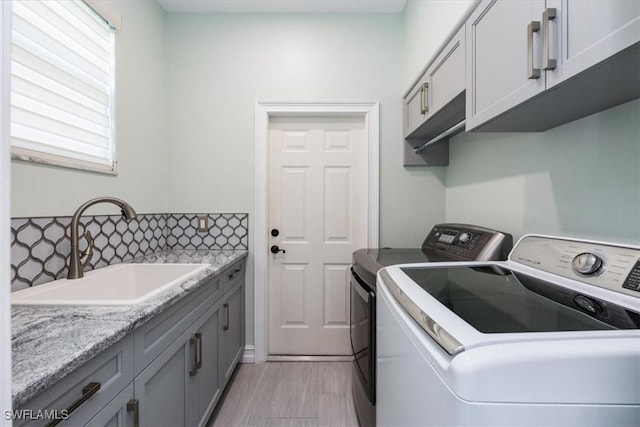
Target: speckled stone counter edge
[[49, 342]]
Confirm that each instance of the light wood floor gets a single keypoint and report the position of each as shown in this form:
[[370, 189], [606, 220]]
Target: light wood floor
[[289, 394]]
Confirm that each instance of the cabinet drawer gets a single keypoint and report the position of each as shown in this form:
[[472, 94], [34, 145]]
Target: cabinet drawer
[[232, 275], [112, 369], [153, 337]]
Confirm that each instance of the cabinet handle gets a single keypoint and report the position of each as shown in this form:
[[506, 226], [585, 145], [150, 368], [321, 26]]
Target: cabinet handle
[[226, 317], [232, 275], [134, 406], [87, 391], [198, 336], [196, 342], [548, 63], [424, 108], [533, 27]]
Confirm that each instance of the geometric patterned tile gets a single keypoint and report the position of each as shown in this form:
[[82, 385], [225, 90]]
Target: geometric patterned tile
[[40, 246], [225, 231]]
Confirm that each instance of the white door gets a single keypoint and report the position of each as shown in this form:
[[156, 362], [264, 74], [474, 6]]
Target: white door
[[317, 204]]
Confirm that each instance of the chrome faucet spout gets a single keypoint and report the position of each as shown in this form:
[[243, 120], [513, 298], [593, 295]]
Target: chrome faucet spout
[[76, 264]]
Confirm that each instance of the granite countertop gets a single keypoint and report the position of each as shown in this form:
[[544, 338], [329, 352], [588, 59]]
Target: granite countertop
[[49, 342]]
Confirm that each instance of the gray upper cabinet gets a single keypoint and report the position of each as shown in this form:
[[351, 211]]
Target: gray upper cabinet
[[415, 106], [436, 102], [533, 65], [440, 84], [586, 32]]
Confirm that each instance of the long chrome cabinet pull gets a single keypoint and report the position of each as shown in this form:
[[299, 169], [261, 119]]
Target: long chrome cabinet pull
[[198, 336], [193, 341], [226, 317], [548, 63], [533, 27], [424, 108], [134, 406], [87, 391]]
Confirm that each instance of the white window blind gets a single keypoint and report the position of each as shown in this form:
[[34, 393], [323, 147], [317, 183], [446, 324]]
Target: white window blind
[[62, 85]]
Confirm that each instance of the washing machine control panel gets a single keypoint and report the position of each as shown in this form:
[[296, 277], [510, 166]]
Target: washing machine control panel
[[633, 279], [608, 266]]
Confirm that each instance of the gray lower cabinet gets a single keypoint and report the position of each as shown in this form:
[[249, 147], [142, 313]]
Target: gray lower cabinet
[[118, 412], [232, 336], [161, 389], [89, 389], [203, 390], [169, 372]]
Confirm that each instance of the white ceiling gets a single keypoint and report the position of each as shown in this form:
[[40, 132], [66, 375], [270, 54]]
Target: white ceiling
[[283, 6]]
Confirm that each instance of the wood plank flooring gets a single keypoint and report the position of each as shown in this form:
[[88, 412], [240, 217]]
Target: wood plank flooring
[[289, 394]]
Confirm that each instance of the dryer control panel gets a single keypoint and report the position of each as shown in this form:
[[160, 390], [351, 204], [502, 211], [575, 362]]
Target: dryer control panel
[[465, 242], [608, 266]]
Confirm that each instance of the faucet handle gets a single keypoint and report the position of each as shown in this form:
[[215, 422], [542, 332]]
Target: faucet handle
[[88, 253]]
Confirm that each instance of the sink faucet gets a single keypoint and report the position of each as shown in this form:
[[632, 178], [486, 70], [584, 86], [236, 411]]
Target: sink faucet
[[78, 262]]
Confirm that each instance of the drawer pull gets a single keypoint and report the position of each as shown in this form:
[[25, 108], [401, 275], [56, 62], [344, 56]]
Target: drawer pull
[[134, 406], [226, 317], [548, 63], [196, 342], [199, 359], [533, 27], [424, 107], [87, 391], [232, 275]]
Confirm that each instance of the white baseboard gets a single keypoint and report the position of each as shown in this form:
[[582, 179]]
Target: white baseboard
[[249, 355], [309, 358]]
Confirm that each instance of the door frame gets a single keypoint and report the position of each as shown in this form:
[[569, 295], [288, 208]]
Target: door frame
[[5, 212], [369, 111]]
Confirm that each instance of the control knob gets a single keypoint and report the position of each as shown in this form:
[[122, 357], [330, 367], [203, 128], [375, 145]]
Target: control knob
[[464, 238], [587, 263]]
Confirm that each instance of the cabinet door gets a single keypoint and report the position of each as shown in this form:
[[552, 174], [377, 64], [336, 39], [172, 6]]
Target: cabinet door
[[115, 414], [161, 388], [415, 109], [232, 335], [498, 58], [446, 75], [586, 32], [204, 389]]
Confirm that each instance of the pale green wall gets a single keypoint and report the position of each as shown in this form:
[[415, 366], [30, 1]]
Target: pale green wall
[[141, 120], [219, 65], [581, 179]]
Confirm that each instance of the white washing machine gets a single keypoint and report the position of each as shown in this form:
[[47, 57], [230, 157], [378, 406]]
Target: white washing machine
[[550, 337]]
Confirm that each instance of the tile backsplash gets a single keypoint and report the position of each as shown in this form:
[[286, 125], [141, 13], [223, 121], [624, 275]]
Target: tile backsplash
[[40, 246]]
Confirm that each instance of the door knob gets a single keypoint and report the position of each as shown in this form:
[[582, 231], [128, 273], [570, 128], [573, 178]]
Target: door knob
[[275, 249], [275, 232]]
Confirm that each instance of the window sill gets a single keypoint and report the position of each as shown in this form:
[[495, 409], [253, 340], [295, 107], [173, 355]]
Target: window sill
[[66, 163]]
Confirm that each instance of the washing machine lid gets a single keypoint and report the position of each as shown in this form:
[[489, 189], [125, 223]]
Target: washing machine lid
[[495, 300]]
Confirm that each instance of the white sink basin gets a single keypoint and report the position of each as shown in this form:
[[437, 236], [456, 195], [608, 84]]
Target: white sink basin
[[120, 284]]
